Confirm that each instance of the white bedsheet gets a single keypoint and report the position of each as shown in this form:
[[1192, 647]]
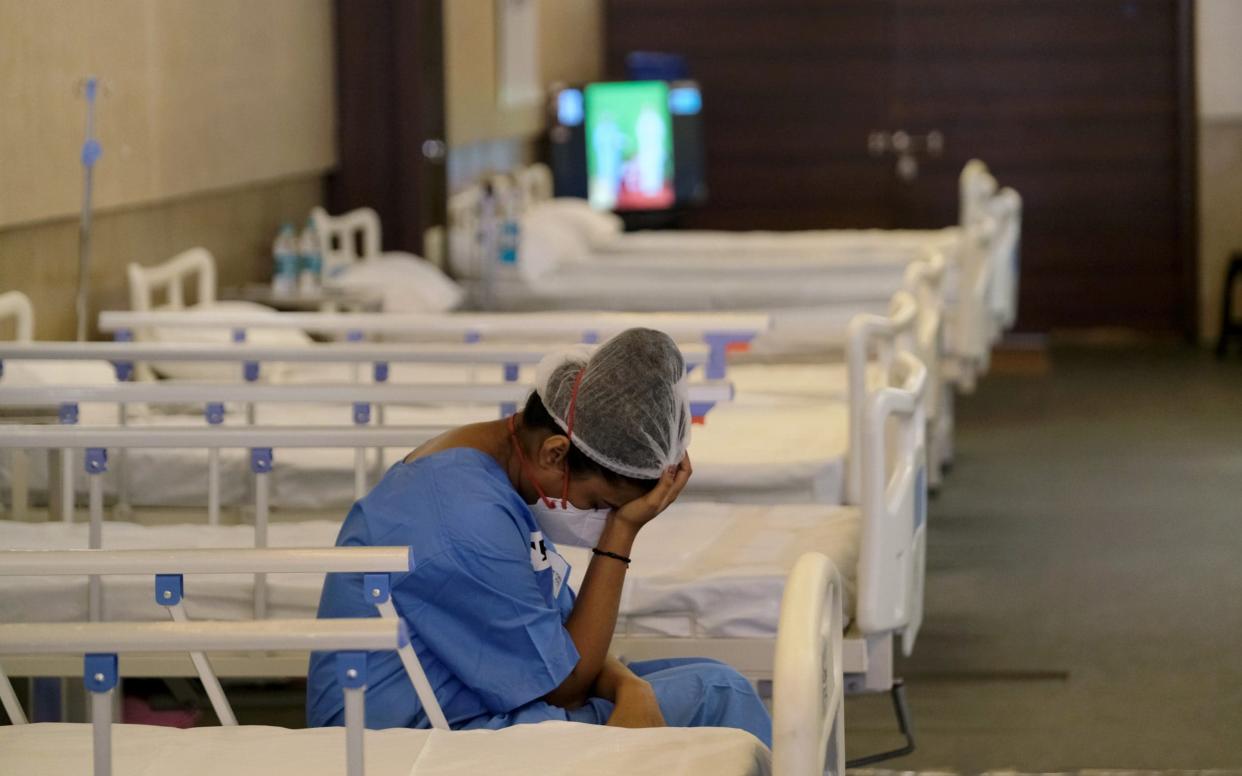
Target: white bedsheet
[[56, 748], [771, 453], [719, 570]]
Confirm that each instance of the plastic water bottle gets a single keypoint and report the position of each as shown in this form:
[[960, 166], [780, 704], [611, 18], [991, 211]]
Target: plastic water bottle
[[310, 260], [510, 230], [285, 262], [487, 248]]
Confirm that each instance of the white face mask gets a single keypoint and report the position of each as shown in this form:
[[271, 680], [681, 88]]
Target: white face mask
[[568, 525], [561, 521]]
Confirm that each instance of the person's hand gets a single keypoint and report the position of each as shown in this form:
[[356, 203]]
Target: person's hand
[[636, 706], [644, 509]]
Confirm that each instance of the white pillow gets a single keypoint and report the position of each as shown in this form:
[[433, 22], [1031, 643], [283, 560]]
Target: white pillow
[[34, 373], [226, 372], [548, 242], [406, 283], [596, 228]]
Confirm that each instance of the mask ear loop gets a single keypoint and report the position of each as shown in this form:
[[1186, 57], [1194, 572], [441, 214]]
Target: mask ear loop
[[569, 432], [526, 467]]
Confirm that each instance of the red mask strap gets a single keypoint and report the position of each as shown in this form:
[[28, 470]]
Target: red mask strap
[[569, 432], [526, 467]]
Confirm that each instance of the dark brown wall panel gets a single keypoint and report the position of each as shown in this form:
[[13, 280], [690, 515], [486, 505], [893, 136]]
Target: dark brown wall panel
[[1079, 105]]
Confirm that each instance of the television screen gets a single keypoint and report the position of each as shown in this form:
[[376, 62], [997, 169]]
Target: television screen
[[629, 139]]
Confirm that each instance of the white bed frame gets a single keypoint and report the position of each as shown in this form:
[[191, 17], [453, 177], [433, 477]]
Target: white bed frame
[[339, 237], [808, 719], [15, 306], [891, 567]]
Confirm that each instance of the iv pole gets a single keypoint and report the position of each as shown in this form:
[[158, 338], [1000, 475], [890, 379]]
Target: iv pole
[[91, 151]]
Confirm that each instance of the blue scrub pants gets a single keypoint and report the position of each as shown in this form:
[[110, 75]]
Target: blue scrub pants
[[694, 692]]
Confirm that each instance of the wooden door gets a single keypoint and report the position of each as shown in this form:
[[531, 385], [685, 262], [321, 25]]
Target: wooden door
[[1076, 105], [1083, 106], [390, 116]]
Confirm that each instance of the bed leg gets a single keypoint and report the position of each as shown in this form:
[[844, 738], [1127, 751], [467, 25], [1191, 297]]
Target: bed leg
[[352, 674], [100, 677], [904, 724], [19, 484]]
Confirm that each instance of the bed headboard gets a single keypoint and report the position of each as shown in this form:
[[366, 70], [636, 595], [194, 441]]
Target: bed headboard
[[339, 237], [808, 690], [15, 306], [146, 282]]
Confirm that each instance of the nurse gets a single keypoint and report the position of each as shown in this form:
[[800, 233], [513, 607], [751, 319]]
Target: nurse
[[598, 451]]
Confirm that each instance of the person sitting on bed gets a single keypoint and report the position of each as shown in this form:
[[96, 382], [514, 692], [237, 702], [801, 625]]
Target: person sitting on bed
[[598, 451]]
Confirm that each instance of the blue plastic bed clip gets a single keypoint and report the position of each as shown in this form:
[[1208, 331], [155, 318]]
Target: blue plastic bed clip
[[250, 371], [124, 370], [214, 412], [99, 671], [351, 669], [719, 343], [353, 336], [472, 337], [590, 337], [67, 414], [123, 335], [511, 372], [169, 588], [239, 335], [362, 413], [699, 410], [260, 460], [380, 371], [375, 588], [96, 460]]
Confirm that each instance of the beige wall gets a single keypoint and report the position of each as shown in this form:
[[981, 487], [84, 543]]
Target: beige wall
[[236, 225], [570, 49], [217, 117], [1219, 61]]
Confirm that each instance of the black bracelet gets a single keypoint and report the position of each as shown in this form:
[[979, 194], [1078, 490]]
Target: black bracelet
[[612, 555]]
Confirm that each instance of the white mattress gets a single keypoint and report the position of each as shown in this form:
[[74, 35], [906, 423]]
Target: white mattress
[[586, 287], [754, 453], [49, 748], [719, 570], [713, 570]]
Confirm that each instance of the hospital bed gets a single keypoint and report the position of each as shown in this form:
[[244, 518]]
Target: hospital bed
[[529, 191], [806, 293], [808, 729]]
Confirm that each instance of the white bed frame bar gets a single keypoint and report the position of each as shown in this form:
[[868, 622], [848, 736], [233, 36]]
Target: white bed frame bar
[[123, 352], [719, 331], [181, 635]]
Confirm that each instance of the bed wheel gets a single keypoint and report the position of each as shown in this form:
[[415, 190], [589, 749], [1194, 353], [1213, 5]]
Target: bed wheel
[[904, 724]]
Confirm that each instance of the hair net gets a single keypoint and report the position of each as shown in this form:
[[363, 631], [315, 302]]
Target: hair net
[[632, 411]]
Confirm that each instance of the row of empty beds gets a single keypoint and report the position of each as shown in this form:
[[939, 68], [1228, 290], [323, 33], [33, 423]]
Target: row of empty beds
[[834, 455]]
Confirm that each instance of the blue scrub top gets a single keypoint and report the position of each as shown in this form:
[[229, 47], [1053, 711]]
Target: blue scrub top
[[480, 607]]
